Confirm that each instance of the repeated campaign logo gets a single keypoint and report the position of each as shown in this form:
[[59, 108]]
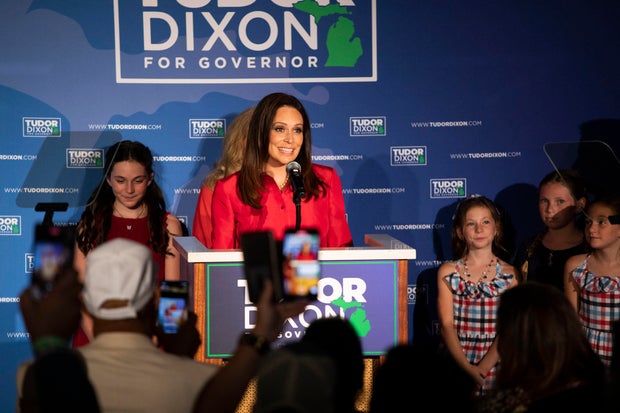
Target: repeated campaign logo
[[207, 128], [407, 155], [412, 291], [84, 158], [41, 127], [448, 188], [245, 41], [367, 126], [28, 262], [10, 225]]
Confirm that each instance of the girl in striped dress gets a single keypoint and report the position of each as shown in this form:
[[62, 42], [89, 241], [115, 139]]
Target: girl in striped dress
[[468, 293], [592, 280]]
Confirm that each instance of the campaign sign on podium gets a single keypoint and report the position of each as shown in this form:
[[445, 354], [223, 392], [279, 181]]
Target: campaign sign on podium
[[366, 285]]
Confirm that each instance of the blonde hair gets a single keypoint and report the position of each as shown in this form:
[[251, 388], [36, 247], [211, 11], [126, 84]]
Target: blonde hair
[[233, 147]]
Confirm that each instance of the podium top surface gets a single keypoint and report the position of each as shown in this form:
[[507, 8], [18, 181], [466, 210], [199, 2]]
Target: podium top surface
[[378, 247]]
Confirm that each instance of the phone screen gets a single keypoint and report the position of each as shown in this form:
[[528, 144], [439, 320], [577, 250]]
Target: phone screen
[[172, 309], [53, 251], [301, 268]]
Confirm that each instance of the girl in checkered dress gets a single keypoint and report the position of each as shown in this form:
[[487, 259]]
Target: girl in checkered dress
[[468, 293], [592, 280]]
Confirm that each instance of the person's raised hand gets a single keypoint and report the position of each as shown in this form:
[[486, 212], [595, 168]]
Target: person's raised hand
[[270, 316], [57, 313], [185, 342]]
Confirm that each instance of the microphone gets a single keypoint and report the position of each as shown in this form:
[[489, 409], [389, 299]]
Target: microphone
[[293, 169]]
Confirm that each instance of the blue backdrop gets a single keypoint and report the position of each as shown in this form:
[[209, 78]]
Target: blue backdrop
[[416, 104]]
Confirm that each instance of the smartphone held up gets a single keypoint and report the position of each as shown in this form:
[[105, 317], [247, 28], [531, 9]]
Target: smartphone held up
[[291, 264], [53, 253], [301, 269], [173, 305], [261, 262]]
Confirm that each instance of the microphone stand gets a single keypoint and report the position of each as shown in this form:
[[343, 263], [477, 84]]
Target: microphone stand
[[293, 170], [297, 201]]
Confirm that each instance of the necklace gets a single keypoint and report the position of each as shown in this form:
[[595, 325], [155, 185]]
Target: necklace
[[484, 273], [284, 183], [550, 259], [140, 214]]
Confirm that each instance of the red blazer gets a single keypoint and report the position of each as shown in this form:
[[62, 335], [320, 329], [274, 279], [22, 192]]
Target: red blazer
[[231, 217], [201, 228]]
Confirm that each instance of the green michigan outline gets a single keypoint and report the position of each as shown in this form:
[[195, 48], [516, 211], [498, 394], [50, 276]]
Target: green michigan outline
[[343, 50], [358, 318]]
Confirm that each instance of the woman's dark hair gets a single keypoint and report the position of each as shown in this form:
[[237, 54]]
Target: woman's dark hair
[[257, 150], [337, 338], [541, 342], [96, 219]]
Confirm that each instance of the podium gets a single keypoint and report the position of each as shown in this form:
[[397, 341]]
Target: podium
[[367, 285]]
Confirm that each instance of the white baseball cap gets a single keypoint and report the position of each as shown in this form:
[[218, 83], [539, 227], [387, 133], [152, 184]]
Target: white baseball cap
[[121, 270]]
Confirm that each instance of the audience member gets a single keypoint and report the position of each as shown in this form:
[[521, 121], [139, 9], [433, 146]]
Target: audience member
[[128, 204], [224, 392], [330, 343], [412, 378], [337, 338], [124, 364], [233, 146], [407, 374], [592, 280], [468, 291], [56, 381], [260, 197], [296, 378], [562, 199], [546, 361]]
